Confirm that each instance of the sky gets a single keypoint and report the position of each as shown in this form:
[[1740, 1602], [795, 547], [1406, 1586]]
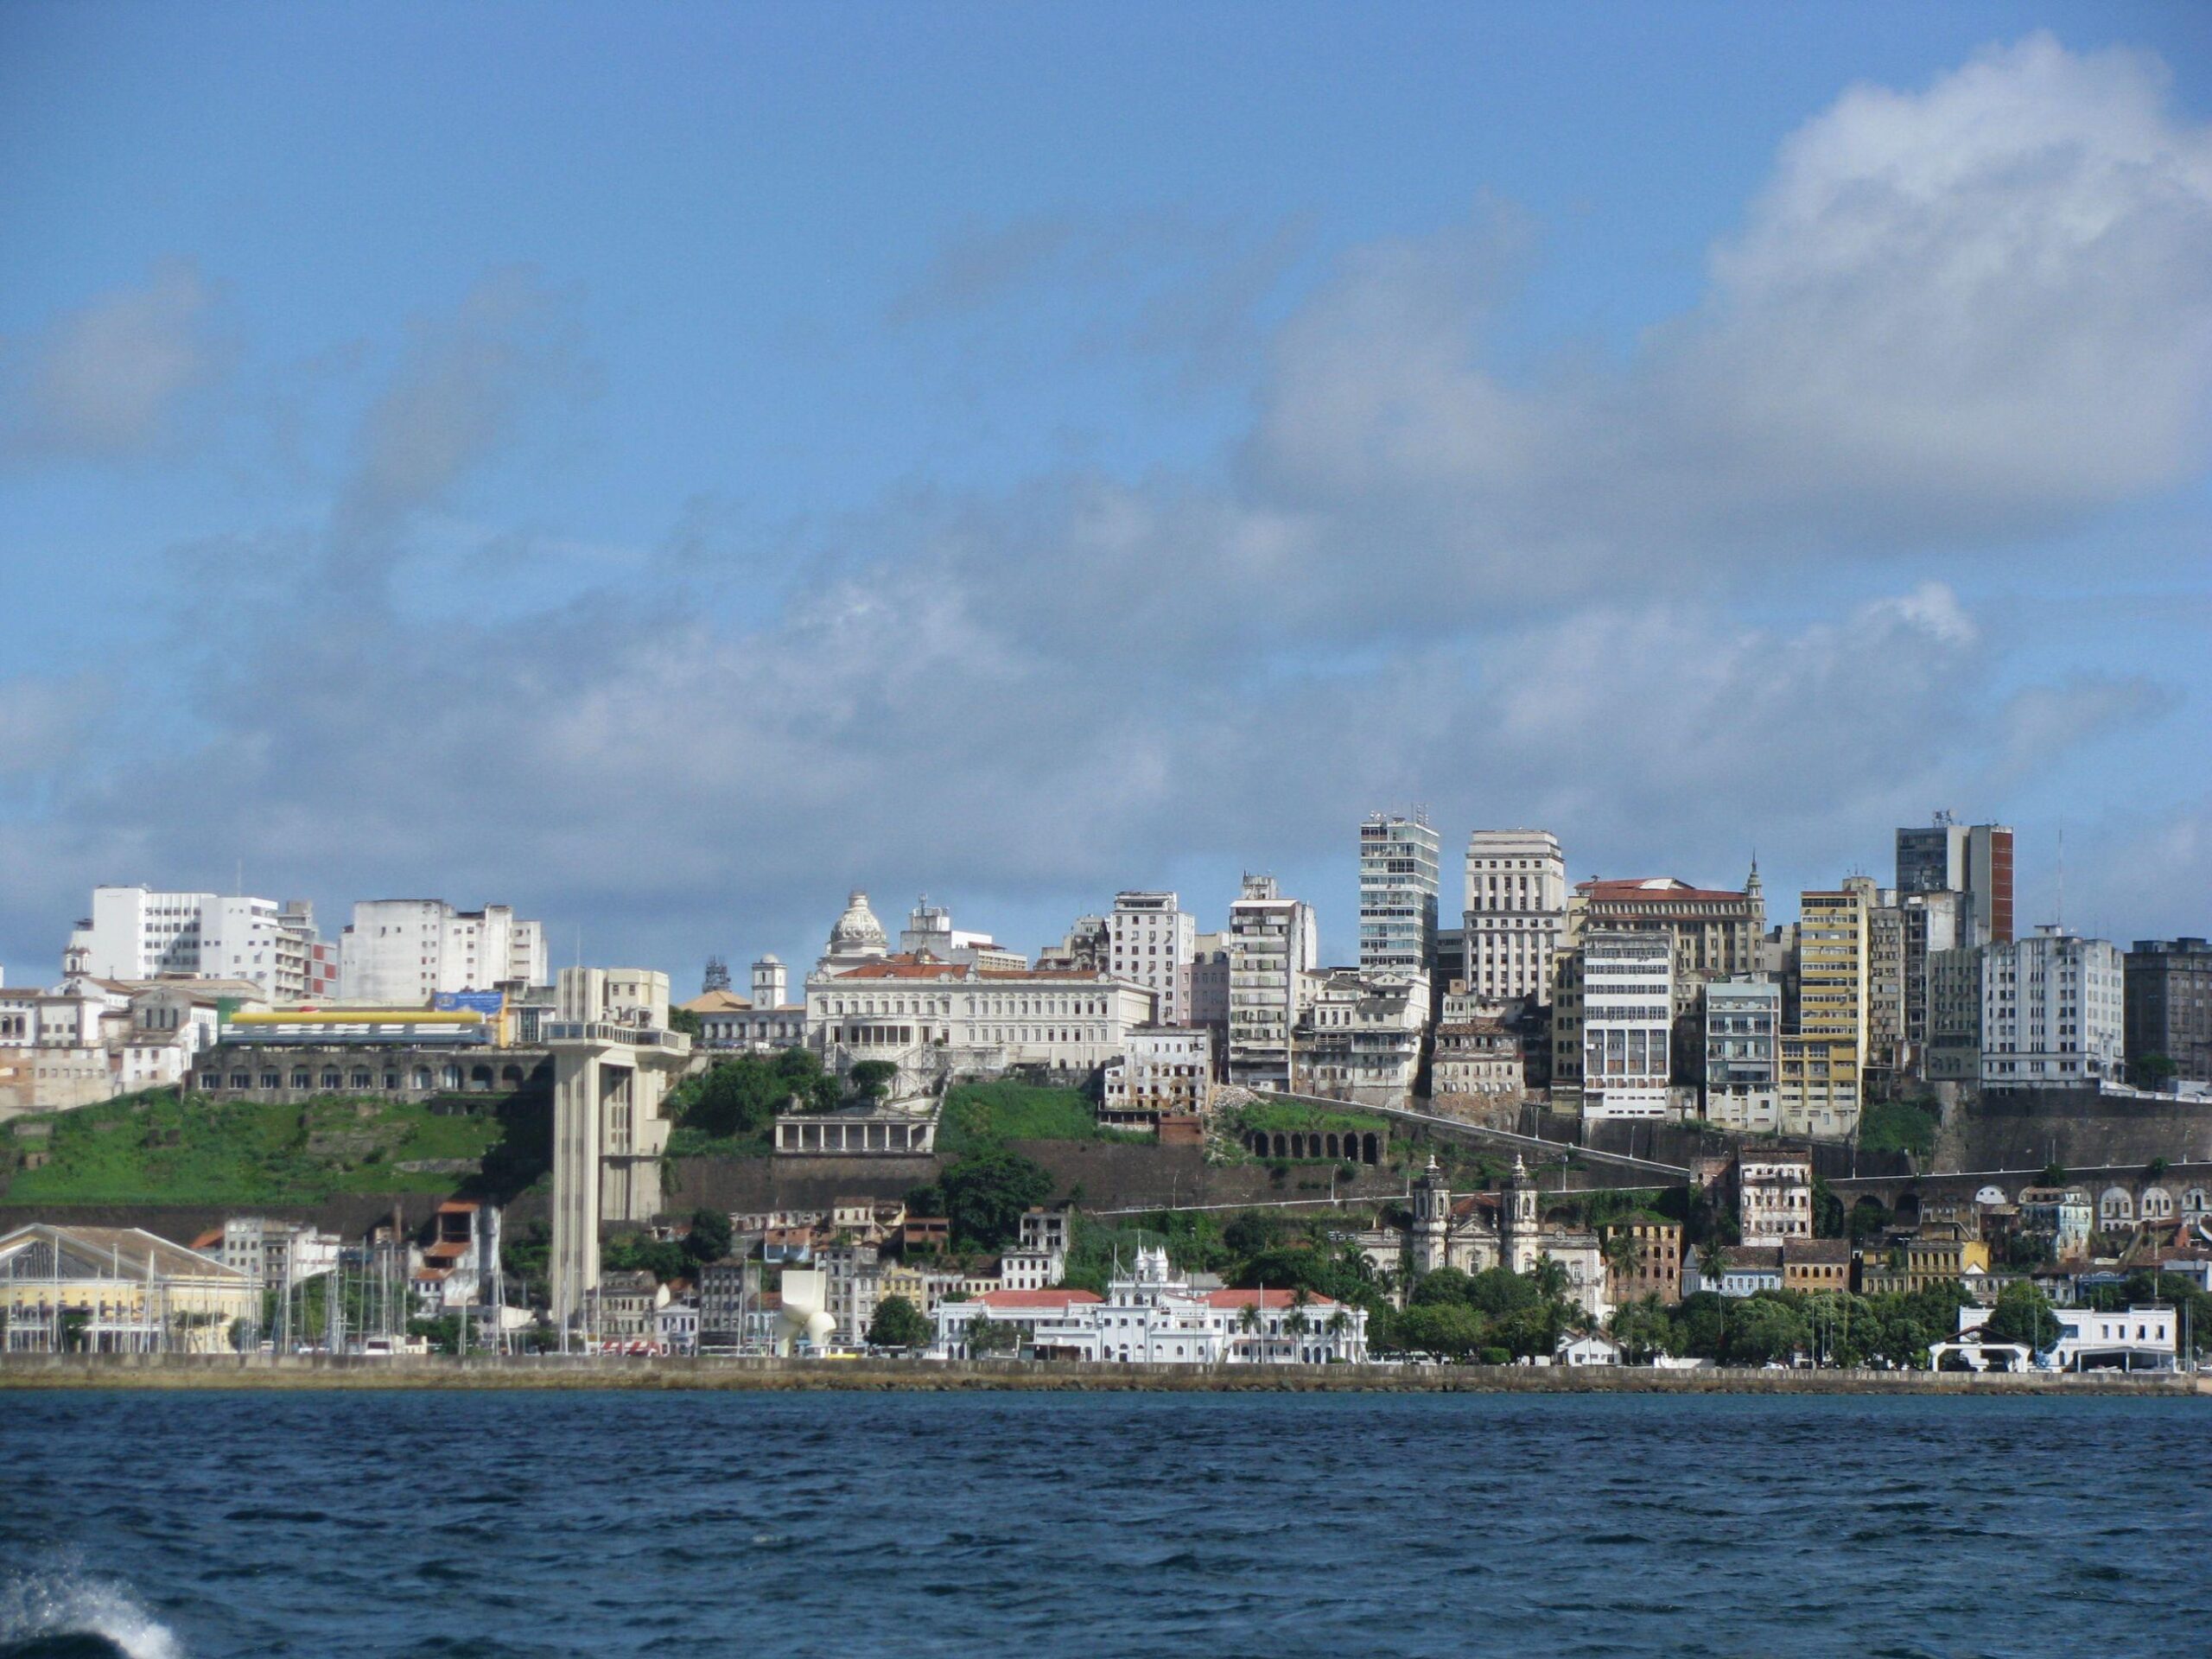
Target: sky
[[663, 468]]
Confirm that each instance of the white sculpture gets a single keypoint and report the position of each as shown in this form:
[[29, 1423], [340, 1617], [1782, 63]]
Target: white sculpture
[[804, 1312]]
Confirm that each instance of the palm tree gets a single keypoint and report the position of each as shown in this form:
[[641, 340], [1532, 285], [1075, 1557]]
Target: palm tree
[[1339, 1322], [1297, 1324], [1711, 1265], [1550, 1277], [1622, 1252], [1249, 1321]]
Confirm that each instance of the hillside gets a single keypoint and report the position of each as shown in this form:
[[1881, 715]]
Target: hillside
[[154, 1148]]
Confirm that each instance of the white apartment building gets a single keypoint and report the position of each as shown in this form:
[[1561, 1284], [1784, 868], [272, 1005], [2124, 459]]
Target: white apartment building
[[1359, 1035], [1397, 895], [2051, 1011], [1774, 1196], [1628, 982], [1742, 1023], [1274, 943], [1515, 918], [401, 952], [135, 933], [1151, 941], [1161, 1069]]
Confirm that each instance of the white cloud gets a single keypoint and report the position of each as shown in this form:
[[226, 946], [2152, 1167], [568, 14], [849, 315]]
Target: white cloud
[[105, 382]]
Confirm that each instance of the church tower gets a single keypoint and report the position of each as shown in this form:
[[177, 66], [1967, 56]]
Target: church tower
[[1520, 1219], [1431, 1215]]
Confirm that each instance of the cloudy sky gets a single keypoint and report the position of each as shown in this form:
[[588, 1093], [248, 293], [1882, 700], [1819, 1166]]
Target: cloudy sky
[[661, 469]]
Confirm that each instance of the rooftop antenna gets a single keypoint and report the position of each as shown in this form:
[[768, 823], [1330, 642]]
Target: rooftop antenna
[[2062, 879]]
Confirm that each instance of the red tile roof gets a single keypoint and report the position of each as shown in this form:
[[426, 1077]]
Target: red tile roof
[[1036, 1298], [1264, 1298], [1649, 889]]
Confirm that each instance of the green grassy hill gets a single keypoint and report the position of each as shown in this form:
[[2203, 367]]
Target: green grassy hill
[[154, 1148]]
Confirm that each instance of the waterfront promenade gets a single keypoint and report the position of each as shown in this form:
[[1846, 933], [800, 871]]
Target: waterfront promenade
[[135, 1371]]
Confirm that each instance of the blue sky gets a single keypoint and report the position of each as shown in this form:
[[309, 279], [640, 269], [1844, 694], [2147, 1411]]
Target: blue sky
[[666, 468]]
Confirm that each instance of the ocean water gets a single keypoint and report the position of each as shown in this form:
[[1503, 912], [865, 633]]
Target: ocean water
[[185, 1526]]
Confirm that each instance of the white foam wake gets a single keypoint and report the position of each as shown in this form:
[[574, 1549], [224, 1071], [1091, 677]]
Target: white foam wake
[[66, 1604]]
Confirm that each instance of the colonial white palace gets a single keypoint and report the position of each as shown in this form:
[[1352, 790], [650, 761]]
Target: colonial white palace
[[949, 1004], [1155, 1316]]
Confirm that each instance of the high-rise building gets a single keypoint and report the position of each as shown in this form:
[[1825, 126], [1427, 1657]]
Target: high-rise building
[[1397, 895], [402, 952], [1628, 1019], [1274, 943], [134, 933], [2169, 1005], [1515, 918], [1931, 924], [2052, 1012], [1743, 1025], [1715, 932], [1975, 860], [1832, 940], [1151, 940]]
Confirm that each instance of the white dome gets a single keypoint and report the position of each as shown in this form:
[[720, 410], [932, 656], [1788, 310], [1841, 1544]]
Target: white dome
[[857, 932]]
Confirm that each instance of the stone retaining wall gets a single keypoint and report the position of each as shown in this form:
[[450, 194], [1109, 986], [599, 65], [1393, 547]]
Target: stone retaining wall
[[562, 1372]]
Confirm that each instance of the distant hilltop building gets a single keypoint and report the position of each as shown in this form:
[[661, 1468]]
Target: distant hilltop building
[[1975, 860], [135, 933], [401, 952]]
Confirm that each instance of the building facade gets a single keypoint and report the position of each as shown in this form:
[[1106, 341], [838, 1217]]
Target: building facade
[[402, 952], [1516, 916], [134, 933], [1628, 1019], [1150, 940], [1831, 978], [614, 1061], [2169, 1005], [2052, 1012], [1274, 943], [1743, 1032], [1358, 1036], [1397, 895], [1162, 1070], [1713, 931], [1975, 861]]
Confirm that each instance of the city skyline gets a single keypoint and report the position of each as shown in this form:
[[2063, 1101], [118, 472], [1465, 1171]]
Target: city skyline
[[940, 469]]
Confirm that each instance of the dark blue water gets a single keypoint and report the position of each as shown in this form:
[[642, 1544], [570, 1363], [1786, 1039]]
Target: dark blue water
[[185, 1526]]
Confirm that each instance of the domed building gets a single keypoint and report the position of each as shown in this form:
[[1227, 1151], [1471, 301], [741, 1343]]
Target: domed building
[[857, 937]]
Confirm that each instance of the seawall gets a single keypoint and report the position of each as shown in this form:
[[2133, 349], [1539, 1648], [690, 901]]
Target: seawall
[[122, 1372]]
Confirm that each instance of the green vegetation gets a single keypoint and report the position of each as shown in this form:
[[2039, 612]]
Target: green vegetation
[[2192, 1307], [1493, 1316], [981, 1115], [1900, 1126], [984, 1194], [2022, 1314], [729, 1109], [1289, 1115], [1843, 1329], [2151, 1071], [155, 1148], [899, 1324]]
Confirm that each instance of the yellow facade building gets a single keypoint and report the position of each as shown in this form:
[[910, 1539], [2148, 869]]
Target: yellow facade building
[[1832, 964], [116, 1290]]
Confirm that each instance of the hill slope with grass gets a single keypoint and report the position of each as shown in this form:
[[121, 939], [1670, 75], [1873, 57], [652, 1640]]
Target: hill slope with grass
[[155, 1148]]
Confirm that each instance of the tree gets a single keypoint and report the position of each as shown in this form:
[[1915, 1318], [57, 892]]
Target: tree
[[872, 1080], [1252, 1233], [987, 1335], [899, 1324], [1447, 1329], [1711, 1265], [1445, 1287], [2151, 1071], [1644, 1328], [2022, 1314], [709, 1237], [685, 1020], [1550, 1277], [986, 1192], [2053, 1174], [1622, 1251], [1763, 1327]]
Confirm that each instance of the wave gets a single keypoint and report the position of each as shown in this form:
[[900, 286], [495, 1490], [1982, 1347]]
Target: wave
[[69, 1616]]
